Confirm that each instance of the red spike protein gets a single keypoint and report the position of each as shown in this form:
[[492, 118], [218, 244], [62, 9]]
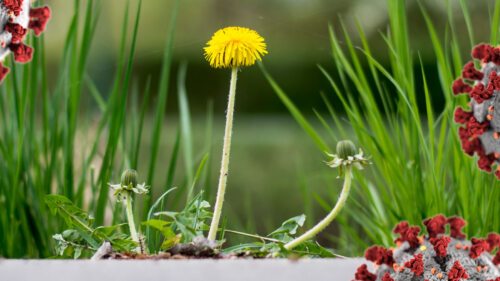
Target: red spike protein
[[480, 133], [436, 256], [16, 17]]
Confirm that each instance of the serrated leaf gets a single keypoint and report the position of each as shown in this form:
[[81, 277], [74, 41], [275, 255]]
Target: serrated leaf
[[69, 244], [289, 227], [61, 244], [192, 221], [125, 244], [73, 216]]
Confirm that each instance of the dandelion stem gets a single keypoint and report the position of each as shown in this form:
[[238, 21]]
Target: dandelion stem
[[330, 217], [130, 218], [221, 189]]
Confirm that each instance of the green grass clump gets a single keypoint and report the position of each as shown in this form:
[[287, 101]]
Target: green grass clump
[[43, 143], [419, 168]]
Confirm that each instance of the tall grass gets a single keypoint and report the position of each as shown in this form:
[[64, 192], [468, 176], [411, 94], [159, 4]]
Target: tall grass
[[419, 168], [47, 145], [44, 145]]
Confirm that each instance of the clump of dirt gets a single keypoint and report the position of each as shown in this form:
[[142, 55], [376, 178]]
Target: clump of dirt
[[200, 248]]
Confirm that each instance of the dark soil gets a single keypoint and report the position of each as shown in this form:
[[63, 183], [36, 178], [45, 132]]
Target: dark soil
[[200, 248], [170, 256]]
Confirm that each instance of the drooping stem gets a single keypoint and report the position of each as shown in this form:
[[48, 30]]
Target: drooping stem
[[330, 217], [221, 189], [130, 219]]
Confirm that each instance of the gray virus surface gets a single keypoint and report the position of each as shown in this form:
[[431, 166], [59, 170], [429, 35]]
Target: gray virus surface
[[480, 130], [436, 256]]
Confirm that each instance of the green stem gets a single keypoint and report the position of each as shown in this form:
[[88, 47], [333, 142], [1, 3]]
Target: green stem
[[221, 190], [130, 219], [253, 236], [330, 217]]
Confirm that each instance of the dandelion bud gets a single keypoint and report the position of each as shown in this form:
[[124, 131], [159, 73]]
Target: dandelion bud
[[346, 149], [129, 178], [347, 157]]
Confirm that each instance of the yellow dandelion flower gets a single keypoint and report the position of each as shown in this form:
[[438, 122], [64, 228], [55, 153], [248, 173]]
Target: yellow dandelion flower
[[232, 47]]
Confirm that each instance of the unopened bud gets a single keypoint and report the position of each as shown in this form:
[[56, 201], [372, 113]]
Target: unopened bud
[[346, 149], [129, 178]]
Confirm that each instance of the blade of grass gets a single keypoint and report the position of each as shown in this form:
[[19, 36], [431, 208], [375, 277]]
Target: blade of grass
[[301, 120], [186, 131], [162, 101]]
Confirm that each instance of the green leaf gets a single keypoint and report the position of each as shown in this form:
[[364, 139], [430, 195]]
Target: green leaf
[[170, 242], [243, 247], [72, 215], [192, 221], [312, 248], [77, 253], [165, 228], [70, 244], [81, 221], [109, 230], [125, 244], [289, 227], [162, 226], [151, 240], [61, 244]]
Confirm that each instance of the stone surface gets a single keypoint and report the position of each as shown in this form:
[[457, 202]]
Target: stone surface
[[180, 270]]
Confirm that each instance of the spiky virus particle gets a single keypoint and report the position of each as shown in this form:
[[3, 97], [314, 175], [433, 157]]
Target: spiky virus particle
[[436, 256], [480, 133], [16, 17]]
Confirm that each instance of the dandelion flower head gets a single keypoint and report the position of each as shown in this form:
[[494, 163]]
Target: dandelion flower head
[[235, 47]]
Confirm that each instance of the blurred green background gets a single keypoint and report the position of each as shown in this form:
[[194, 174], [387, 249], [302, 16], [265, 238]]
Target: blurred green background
[[275, 170], [295, 31]]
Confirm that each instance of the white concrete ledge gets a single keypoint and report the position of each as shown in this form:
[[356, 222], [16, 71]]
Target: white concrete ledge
[[179, 270]]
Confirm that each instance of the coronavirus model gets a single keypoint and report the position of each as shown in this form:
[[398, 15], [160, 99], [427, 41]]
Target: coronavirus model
[[480, 133], [16, 17], [435, 256]]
